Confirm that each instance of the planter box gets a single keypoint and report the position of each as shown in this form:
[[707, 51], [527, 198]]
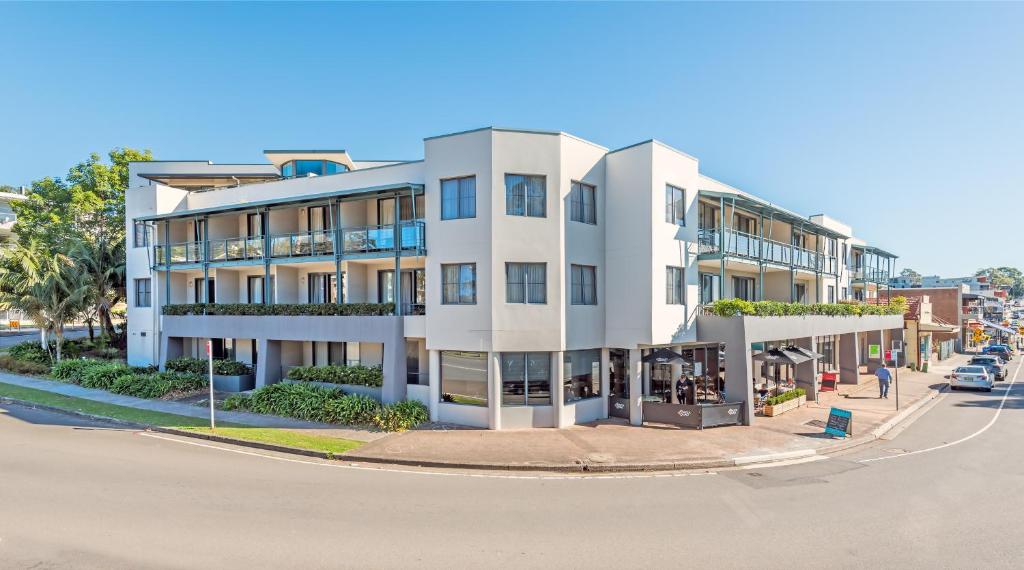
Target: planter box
[[242, 383], [784, 407], [371, 391]]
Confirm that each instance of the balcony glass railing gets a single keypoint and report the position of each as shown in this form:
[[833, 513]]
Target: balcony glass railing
[[185, 252], [871, 274], [372, 239], [234, 249], [320, 242], [739, 244]]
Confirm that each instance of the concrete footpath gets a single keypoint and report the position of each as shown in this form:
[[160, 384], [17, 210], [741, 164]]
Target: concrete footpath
[[605, 446]]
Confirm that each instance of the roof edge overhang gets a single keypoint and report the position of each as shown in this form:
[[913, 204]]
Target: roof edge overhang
[[748, 202], [876, 251], [415, 189]]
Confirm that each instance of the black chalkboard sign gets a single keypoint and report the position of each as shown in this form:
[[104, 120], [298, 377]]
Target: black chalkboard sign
[[840, 422]]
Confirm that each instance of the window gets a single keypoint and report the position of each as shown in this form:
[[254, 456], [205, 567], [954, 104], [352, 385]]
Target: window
[[674, 285], [843, 294], [584, 285], [143, 292], [826, 345], [464, 378], [458, 198], [526, 283], [410, 210], [458, 284], [525, 195], [710, 284], [707, 216], [581, 374], [294, 168], [799, 240], [675, 205], [141, 235], [526, 378], [254, 225], [800, 292], [743, 288], [582, 202], [323, 288], [831, 293], [254, 284], [744, 224]]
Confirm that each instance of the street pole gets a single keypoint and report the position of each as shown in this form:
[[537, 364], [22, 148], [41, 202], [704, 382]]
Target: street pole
[[897, 380], [209, 355]]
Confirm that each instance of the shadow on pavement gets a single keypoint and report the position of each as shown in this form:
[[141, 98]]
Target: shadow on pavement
[[46, 417]]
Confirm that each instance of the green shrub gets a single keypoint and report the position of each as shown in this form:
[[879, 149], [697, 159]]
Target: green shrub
[[29, 351], [353, 375], [786, 396], [306, 309], [236, 402], [733, 307], [103, 375], [202, 367], [353, 409], [17, 366], [140, 386], [71, 370], [231, 368], [401, 416]]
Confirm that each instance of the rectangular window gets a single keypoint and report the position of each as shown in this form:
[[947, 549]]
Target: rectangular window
[[674, 283], [800, 293], [581, 374], [743, 288], [254, 284], [323, 288], [143, 292], [253, 225], [675, 205], [843, 294], [583, 204], [141, 235], [458, 198], [464, 378], [525, 195], [745, 224], [458, 284], [709, 287], [526, 378], [708, 216], [831, 293], [410, 210], [584, 285], [526, 283]]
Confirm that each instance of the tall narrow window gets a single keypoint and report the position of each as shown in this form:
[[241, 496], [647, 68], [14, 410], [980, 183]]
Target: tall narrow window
[[526, 283], [458, 284], [800, 292], [675, 205], [743, 288], [674, 284], [583, 203], [525, 195], [141, 235], [323, 288], [458, 198], [709, 287], [584, 285], [526, 378], [143, 292], [254, 225], [831, 293]]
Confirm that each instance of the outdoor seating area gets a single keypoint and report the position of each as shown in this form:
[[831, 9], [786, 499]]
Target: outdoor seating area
[[687, 388]]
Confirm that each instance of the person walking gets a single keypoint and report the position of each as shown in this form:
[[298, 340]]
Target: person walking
[[884, 378]]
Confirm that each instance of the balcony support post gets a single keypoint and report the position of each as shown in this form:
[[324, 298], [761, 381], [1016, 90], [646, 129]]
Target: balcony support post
[[167, 262], [760, 260], [265, 229], [721, 247], [206, 257], [396, 283], [336, 235]]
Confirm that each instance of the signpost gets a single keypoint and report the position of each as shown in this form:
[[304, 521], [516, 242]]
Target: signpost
[[894, 356], [209, 355], [840, 423]]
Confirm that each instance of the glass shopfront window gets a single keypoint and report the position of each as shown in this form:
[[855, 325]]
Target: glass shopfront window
[[618, 373], [464, 378], [581, 377], [526, 378], [827, 347]]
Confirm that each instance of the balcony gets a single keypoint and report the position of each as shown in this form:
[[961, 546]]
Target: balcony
[[870, 275], [366, 241], [747, 246]]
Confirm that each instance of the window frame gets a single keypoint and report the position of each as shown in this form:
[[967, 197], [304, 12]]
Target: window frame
[[148, 291], [578, 203], [581, 283], [147, 237], [458, 284], [748, 282], [526, 284], [459, 213], [675, 289], [526, 196], [526, 356], [672, 203]]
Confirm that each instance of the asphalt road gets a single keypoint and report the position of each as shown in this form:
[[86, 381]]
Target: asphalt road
[[945, 492], [33, 334]]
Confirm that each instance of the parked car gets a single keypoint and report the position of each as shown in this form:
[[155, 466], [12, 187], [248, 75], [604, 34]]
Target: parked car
[[971, 377], [1000, 350], [995, 365]]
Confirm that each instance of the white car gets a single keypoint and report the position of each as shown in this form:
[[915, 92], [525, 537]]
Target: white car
[[971, 377]]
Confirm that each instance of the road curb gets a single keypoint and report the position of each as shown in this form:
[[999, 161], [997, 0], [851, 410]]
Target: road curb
[[886, 427], [76, 413]]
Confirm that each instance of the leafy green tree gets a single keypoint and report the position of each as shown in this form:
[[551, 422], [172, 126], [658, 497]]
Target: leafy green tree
[[1005, 277], [103, 268], [912, 275]]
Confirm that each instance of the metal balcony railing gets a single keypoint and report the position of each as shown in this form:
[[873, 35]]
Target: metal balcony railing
[[175, 253], [740, 244], [234, 249], [320, 242], [374, 239]]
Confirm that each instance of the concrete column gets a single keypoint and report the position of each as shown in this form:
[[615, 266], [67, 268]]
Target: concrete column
[[268, 362], [606, 382], [494, 389], [558, 390], [738, 383], [849, 358], [395, 381], [171, 347], [636, 370], [807, 373], [434, 375], [875, 337]]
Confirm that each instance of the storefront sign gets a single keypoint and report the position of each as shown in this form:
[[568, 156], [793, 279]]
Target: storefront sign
[[874, 351], [840, 423]]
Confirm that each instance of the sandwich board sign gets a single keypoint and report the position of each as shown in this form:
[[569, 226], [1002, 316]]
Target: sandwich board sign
[[840, 423]]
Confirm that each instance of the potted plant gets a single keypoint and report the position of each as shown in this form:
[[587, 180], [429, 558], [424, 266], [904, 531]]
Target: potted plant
[[785, 402]]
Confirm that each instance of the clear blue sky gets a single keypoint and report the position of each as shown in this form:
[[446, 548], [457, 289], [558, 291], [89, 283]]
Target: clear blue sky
[[904, 121]]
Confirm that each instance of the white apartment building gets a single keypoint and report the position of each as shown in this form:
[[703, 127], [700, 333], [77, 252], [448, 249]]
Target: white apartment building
[[535, 272], [7, 215]]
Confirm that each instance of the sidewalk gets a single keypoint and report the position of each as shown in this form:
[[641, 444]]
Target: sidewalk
[[183, 409]]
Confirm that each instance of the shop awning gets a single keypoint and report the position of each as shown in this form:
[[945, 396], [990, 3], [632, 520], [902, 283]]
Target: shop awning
[[936, 327], [998, 327]]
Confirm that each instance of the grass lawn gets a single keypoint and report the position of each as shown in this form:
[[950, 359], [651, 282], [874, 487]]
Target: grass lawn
[[288, 438], [274, 436]]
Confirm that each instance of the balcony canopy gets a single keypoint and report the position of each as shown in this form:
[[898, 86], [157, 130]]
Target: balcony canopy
[[404, 188], [769, 210], [875, 250]]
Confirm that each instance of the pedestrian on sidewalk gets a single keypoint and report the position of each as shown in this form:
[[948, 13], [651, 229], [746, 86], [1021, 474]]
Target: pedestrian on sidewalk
[[884, 378]]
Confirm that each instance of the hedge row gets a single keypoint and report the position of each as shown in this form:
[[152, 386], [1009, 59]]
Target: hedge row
[[308, 309], [32, 351], [733, 307], [353, 375], [328, 405], [786, 396], [202, 367], [126, 380]]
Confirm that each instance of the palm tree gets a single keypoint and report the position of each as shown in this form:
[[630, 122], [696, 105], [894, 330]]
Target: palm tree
[[49, 288], [103, 265]]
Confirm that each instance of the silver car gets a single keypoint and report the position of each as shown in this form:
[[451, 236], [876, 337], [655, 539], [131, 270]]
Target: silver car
[[977, 377]]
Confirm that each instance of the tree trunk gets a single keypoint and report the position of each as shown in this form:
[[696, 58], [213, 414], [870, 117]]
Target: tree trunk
[[42, 339], [106, 324], [59, 333], [92, 335]]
